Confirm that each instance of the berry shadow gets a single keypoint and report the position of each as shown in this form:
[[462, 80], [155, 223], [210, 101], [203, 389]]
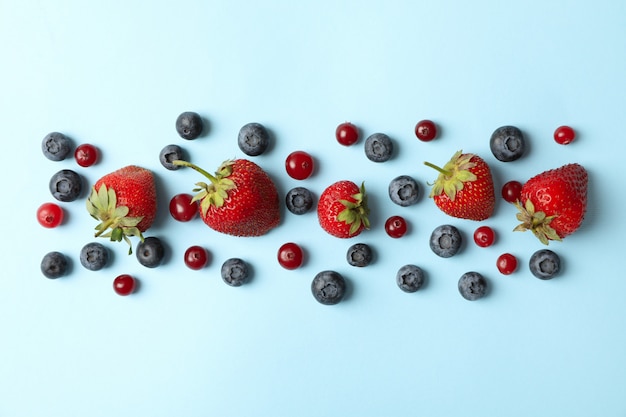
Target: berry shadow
[[349, 293]]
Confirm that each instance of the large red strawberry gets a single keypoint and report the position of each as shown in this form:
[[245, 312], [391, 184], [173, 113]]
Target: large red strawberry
[[124, 202], [239, 200], [552, 204], [342, 209], [464, 187]]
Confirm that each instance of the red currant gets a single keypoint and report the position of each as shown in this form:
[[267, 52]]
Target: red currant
[[564, 135], [395, 226], [347, 134], [506, 263], [86, 155], [484, 236], [196, 257], [299, 165], [511, 191], [50, 215], [425, 130], [124, 284], [182, 208], [290, 256]]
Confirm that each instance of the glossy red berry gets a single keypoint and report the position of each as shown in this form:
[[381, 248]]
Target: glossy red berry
[[299, 165], [425, 130], [196, 257], [506, 263], [347, 134], [564, 135], [290, 256], [511, 191], [124, 284], [484, 236], [182, 208], [50, 215], [396, 226], [86, 155]]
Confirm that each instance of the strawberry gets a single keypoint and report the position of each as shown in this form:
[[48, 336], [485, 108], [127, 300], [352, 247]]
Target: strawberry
[[552, 204], [239, 200], [464, 188], [125, 203], [342, 209]]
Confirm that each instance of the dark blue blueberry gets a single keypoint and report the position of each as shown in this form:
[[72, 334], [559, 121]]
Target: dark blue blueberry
[[507, 143], [169, 154], [472, 286], [544, 264], [253, 139], [328, 287], [299, 200], [150, 252], [378, 147], [189, 125], [235, 272], [445, 241], [54, 265], [404, 190], [410, 278], [66, 185], [56, 146], [94, 256], [359, 254]]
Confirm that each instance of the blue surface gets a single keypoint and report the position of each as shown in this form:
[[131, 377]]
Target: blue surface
[[117, 74]]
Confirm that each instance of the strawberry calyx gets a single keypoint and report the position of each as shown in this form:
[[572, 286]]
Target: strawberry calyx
[[356, 213], [536, 221], [453, 176], [215, 192], [114, 220]]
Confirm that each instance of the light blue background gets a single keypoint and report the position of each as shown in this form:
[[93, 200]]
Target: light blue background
[[118, 73]]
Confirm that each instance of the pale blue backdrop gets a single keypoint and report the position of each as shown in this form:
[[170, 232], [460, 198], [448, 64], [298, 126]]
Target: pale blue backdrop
[[117, 74]]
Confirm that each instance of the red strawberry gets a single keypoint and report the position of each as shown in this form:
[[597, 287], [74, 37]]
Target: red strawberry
[[554, 203], [124, 202], [239, 200], [342, 209], [464, 188]]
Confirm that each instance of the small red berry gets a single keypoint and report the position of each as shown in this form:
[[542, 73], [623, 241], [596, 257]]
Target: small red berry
[[506, 263], [124, 284], [50, 215], [511, 191], [395, 226], [182, 208], [86, 155], [290, 256], [484, 236], [347, 134], [564, 135], [299, 165], [425, 130], [196, 257]]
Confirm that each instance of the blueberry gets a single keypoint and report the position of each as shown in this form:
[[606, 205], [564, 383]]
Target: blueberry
[[171, 153], [445, 241], [328, 287], [189, 125], [404, 190], [299, 200], [507, 143], [378, 147], [150, 252], [94, 256], [410, 278], [54, 265], [253, 139], [66, 185], [359, 254], [472, 286], [235, 272], [544, 264], [56, 146]]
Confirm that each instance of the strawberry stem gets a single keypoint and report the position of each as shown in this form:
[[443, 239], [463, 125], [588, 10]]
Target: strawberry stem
[[180, 162], [441, 170]]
